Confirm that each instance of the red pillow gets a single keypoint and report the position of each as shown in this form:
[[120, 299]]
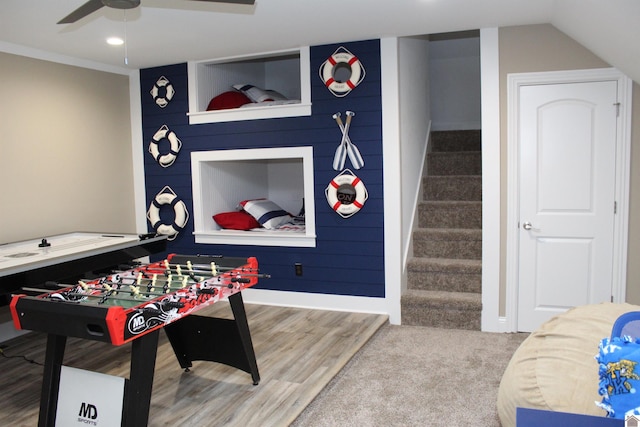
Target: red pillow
[[237, 220], [226, 100]]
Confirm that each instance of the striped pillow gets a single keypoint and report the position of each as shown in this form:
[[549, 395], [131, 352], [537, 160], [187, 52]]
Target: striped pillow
[[267, 213], [254, 93]]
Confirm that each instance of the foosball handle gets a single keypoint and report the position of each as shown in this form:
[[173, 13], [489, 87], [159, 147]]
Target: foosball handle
[[50, 284]]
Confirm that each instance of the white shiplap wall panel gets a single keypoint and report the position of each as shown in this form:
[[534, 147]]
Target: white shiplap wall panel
[[224, 184]]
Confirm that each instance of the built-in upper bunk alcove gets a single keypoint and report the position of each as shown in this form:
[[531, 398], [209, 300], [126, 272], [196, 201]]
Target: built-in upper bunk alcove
[[221, 179], [285, 73]]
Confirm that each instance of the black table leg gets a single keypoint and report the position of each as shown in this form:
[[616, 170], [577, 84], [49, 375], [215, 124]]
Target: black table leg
[[237, 307], [51, 380], [214, 339], [140, 384]]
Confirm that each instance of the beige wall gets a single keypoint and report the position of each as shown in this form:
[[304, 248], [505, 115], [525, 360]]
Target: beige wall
[[543, 48], [65, 150]]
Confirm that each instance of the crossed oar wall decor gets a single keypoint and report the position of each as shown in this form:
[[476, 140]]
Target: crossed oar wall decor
[[346, 147]]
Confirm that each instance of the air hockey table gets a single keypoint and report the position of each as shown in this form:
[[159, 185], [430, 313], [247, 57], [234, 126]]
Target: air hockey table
[[67, 257]]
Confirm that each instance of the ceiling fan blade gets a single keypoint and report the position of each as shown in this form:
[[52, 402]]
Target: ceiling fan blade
[[84, 10], [230, 1]]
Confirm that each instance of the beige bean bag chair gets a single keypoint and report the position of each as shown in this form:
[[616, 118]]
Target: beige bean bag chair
[[555, 367]]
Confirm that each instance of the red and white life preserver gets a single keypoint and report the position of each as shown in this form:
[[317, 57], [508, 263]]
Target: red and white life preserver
[[341, 58], [166, 196], [346, 194], [162, 100], [165, 160]]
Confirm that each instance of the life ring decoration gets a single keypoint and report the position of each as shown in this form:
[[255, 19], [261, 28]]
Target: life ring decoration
[[167, 196], [162, 92], [341, 72], [346, 194], [165, 160]]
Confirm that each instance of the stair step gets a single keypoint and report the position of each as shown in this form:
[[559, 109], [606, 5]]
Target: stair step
[[450, 214], [444, 279], [457, 140], [452, 310], [452, 187], [454, 163], [443, 274], [447, 243]]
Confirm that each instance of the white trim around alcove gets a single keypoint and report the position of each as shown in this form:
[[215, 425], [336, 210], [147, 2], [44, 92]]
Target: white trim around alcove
[[392, 177], [491, 320], [139, 197]]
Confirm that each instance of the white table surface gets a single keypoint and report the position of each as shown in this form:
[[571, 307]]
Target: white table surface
[[27, 255]]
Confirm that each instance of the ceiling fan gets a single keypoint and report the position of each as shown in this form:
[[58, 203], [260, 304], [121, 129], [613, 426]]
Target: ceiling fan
[[92, 5]]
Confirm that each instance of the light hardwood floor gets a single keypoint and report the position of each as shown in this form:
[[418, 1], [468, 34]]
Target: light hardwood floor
[[298, 352]]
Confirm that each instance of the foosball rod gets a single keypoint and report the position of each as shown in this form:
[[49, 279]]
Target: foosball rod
[[127, 288], [185, 280], [113, 291], [190, 273], [68, 295], [151, 281], [48, 287], [108, 285], [199, 275], [203, 267], [117, 293], [41, 291], [161, 281], [104, 298], [50, 294]]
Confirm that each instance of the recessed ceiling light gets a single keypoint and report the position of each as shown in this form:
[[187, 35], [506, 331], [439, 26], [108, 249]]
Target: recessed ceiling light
[[115, 41]]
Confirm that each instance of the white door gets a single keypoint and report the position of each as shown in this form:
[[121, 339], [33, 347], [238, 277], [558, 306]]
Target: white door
[[567, 147]]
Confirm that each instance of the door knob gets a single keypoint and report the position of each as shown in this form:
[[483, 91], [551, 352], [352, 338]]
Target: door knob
[[527, 225]]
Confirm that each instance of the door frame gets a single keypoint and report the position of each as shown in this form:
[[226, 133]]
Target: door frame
[[622, 179]]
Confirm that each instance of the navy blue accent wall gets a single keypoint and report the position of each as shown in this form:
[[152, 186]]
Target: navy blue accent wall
[[349, 255]]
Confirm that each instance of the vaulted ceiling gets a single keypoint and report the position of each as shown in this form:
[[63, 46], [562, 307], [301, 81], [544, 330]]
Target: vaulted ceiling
[[162, 32]]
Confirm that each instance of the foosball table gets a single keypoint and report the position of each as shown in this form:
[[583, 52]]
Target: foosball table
[[132, 305]]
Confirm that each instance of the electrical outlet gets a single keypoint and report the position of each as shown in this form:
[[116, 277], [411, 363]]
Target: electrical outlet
[[298, 267]]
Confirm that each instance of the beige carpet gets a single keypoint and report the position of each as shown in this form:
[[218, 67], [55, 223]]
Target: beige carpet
[[417, 376]]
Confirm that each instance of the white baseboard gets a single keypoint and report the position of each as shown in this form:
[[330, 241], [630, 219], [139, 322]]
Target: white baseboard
[[316, 301], [498, 325]]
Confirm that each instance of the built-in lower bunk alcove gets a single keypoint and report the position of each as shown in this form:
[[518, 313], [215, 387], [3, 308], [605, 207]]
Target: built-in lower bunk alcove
[[254, 196]]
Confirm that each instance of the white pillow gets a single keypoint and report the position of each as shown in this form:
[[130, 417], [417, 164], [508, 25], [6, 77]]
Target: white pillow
[[267, 213], [255, 94]]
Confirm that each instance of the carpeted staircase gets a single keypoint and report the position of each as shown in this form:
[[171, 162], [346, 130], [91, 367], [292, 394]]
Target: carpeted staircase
[[444, 275]]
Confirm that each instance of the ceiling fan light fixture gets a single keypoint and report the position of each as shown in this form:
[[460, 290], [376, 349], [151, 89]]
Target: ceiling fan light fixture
[[115, 41], [93, 5], [121, 4]]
